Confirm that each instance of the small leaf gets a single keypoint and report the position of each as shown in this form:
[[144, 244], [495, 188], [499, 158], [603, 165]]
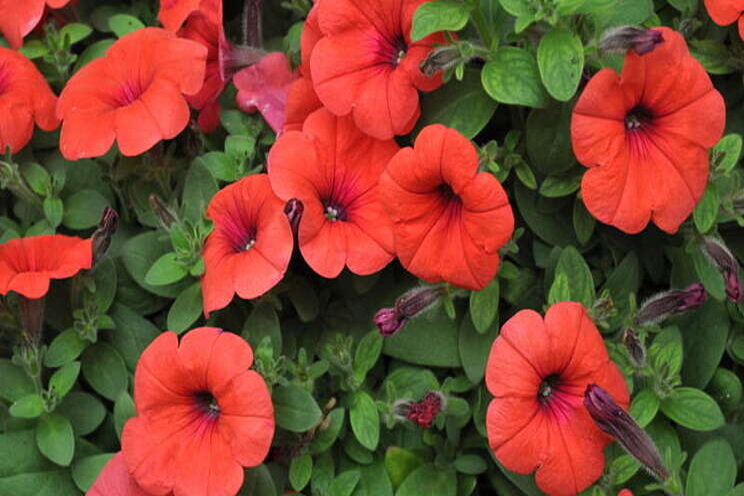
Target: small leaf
[[484, 306], [470, 464], [725, 155], [55, 439], [63, 379], [104, 369], [577, 272], [328, 432], [166, 270], [706, 211], [186, 309], [29, 406], [123, 410], [512, 77], [560, 58], [365, 420], [429, 479], [300, 471], [439, 15], [86, 470], [123, 24], [557, 186], [83, 209], [712, 470], [367, 353], [345, 483], [75, 31], [644, 407], [295, 408], [693, 409]]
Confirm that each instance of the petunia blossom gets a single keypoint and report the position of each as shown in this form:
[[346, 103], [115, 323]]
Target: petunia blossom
[[264, 87], [173, 13], [27, 265], [114, 480], [537, 371], [725, 12], [202, 415], [25, 98], [333, 169], [644, 136], [19, 18], [250, 247], [365, 63], [134, 95], [449, 220]]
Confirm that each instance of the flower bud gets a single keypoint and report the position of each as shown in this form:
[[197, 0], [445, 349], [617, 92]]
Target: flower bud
[[665, 304], [440, 59], [727, 265], [162, 211], [636, 350], [293, 210], [423, 412], [104, 232], [233, 58], [622, 38], [410, 304], [616, 422]]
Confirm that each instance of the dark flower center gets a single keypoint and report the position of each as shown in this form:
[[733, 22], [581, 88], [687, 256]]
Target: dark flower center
[[130, 91], [548, 388], [207, 403], [334, 211], [638, 118], [393, 50], [446, 193]]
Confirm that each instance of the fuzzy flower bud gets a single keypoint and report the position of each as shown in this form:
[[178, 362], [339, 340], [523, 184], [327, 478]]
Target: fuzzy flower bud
[[410, 304], [616, 422], [635, 348], [423, 412], [622, 38], [162, 211], [667, 303], [104, 232], [727, 265], [440, 59]]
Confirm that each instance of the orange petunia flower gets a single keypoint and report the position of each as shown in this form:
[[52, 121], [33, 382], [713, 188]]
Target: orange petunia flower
[[114, 480], [449, 220], [333, 169], [644, 136], [201, 415], [27, 265], [25, 98], [264, 87], [365, 64], [173, 13], [250, 247], [134, 95], [537, 372], [725, 12], [18, 18]]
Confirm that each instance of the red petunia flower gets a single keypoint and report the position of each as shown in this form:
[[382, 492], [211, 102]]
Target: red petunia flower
[[725, 12], [449, 220], [28, 264], [625, 492], [365, 64], [250, 247], [18, 18], [264, 87], [201, 415], [537, 372], [25, 98], [173, 13], [134, 95], [333, 169], [114, 480], [645, 135]]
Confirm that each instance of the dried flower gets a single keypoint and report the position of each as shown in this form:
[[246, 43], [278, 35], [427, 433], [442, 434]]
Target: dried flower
[[616, 422], [635, 348], [423, 412], [104, 232], [622, 38], [391, 320], [667, 303], [727, 265]]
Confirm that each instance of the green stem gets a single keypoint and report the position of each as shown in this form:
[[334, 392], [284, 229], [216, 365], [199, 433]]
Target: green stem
[[480, 25]]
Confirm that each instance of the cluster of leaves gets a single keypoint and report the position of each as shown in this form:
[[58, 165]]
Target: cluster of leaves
[[335, 381]]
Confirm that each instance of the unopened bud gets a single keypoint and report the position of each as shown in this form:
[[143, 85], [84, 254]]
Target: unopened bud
[[164, 214], [423, 412], [233, 58], [636, 350], [293, 210], [440, 59], [104, 233], [391, 320], [665, 304], [623, 38], [613, 420], [727, 265]]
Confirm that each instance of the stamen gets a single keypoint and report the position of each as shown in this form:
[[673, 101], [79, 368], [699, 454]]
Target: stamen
[[331, 213], [249, 244]]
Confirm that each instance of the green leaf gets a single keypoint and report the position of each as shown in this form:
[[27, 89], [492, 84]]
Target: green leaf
[[548, 139], [560, 290], [304, 299], [53, 210], [123, 24], [524, 173], [542, 218], [240, 149], [712, 470], [429, 479], [105, 371], [29, 406], [328, 432], [437, 330], [166, 270], [375, 480], [725, 155], [300, 471], [86, 470], [75, 31], [34, 49], [560, 58], [106, 280], [512, 77], [83, 209], [583, 222], [133, 334], [439, 15], [345, 483], [84, 412], [15, 384], [474, 348], [55, 439], [470, 464], [295, 408], [713, 55], [92, 52], [123, 410], [704, 334], [460, 105], [63, 379], [221, 165], [367, 353], [576, 270], [621, 12], [517, 8], [365, 420], [693, 409], [140, 253], [644, 407], [706, 211], [399, 463], [199, 188], [666, 351], [484, 306], [726, 388], [186, 309], [37, 178], [262, 322], [558, 186]]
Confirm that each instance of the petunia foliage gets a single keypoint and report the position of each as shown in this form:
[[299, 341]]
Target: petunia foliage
[[371, 247]]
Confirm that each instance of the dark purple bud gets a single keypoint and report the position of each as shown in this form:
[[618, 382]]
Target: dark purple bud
[[727, 265], [665, 304], [293, 210], [32, 317], [389, 321], [104, 233], [164, 214], [252, 31], [623, 38], [440, 59], [613, 420], [636, 350]]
